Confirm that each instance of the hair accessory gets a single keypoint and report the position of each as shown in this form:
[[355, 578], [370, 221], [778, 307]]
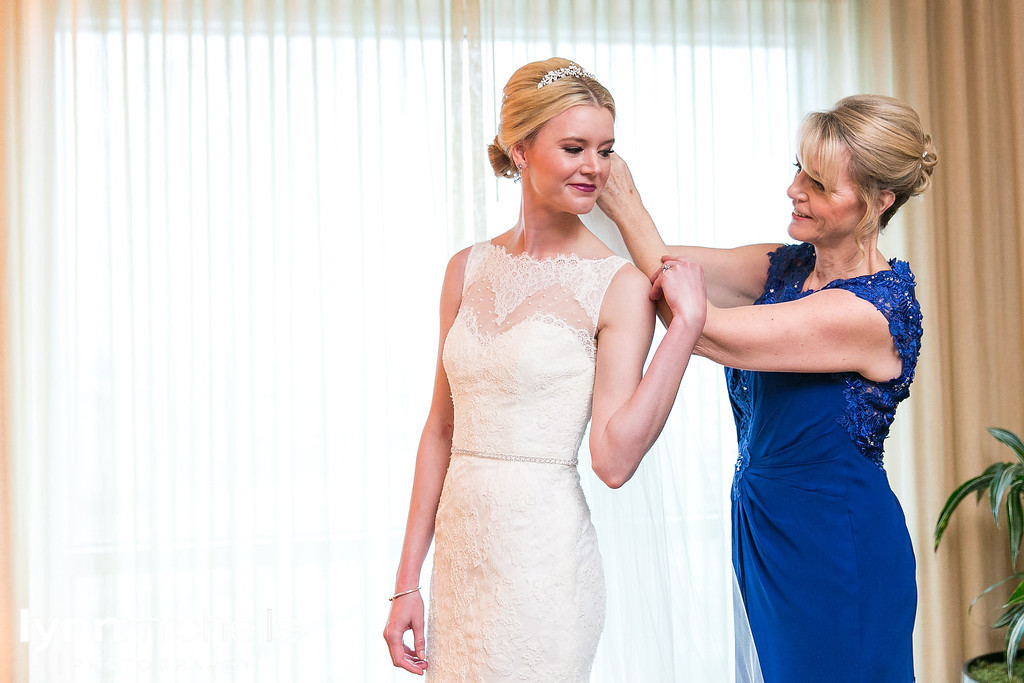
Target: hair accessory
[[566, 71]]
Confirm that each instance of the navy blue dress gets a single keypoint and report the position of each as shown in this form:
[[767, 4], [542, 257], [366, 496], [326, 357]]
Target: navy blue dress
[[820, 543]]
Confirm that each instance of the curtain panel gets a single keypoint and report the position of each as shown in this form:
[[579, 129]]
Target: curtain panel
[[961, 63], [7, 636], [225, 226]]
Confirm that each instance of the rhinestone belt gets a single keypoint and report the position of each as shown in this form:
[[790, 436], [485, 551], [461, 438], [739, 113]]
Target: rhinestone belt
[[515, 458]]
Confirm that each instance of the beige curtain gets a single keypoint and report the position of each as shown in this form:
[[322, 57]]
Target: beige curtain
[[962, 64], [7, 636]]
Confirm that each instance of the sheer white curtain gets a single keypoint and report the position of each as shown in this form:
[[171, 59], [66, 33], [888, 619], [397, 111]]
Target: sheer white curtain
[[229, 223]]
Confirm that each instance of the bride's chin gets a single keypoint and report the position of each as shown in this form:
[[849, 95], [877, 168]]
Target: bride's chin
[[583, 208]]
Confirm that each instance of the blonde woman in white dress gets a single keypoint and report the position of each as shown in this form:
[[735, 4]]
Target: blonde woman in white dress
[[543, 329]]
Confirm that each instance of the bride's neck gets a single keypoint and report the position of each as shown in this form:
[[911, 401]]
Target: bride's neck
[[545, 233]]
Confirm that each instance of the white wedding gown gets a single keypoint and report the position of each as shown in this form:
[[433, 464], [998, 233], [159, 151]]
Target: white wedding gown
[[517, 591]]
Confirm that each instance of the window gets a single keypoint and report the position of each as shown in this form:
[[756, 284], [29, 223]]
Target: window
[[228, 320]]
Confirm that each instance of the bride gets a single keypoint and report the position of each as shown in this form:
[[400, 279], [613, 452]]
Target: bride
[[543, 329]]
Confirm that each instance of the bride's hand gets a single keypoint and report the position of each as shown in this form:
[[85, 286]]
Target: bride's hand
[[619, 190], [681, 284], [406, 614]]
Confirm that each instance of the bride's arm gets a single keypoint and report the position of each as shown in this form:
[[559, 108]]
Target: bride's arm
[[630, 407], [734, 277], [432, 458]]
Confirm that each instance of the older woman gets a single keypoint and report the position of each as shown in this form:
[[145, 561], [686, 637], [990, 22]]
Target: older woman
[[820, 340]]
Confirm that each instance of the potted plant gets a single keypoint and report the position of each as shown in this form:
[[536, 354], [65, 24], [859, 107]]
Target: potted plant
[[999, 480]]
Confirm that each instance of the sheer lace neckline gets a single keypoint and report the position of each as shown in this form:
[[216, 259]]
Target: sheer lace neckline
[[804, 258], [569, 258], [836, 282]]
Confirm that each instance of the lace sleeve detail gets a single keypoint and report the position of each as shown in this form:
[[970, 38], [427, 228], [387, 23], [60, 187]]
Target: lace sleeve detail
[[871, 406], [477, 256], [593, 297], [788, 267], [892, 293]]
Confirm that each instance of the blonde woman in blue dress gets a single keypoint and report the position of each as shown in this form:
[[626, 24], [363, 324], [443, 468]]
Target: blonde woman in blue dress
[[543, 328], [820, 340]]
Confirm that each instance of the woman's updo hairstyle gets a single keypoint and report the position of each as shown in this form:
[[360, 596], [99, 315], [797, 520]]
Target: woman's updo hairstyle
[[888, 150], [525, 107]]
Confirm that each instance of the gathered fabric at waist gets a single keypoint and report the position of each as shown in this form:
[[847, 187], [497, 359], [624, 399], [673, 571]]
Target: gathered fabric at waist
[[514, 457]]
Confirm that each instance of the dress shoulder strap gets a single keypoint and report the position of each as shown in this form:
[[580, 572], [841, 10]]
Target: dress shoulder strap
[[477, 256], [592, 290], [788, 266], [892, 292]]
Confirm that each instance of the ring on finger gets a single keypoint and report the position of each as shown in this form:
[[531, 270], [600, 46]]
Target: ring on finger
[[667, 267]]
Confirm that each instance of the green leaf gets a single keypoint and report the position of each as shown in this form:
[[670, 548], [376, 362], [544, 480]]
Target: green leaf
[[1010, 439], [999, 480], [1017, 597], [1013, 635], [1004, 619], [1011, 615], [1014, 521], [1004, 476], [978, 484], [1018, 576]]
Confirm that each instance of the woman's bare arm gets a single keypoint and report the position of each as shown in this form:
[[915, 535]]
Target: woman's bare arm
[[733, 277], [630, 406], [828, 331], [432, 459]]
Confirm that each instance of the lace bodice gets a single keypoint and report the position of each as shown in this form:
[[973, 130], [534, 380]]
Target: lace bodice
[[520, 354], [517, 591], [870, 406]]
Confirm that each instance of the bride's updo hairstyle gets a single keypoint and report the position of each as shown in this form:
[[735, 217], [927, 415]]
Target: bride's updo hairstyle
[[886, 147], [535, 94]]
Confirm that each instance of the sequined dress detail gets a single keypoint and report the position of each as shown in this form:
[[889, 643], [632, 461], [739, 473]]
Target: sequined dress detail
[[820, 543], [517, 591]]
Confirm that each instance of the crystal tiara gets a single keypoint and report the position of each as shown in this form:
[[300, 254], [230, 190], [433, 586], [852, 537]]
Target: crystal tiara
[[564, 72]]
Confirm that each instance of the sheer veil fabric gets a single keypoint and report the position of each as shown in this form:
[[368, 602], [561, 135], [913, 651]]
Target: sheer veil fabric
[[747, 666], [674, 611]]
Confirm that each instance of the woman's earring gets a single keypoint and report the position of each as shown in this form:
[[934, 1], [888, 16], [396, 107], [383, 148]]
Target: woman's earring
[[519, 176]]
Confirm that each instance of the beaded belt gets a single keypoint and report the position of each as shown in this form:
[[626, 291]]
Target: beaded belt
[[515, 458]]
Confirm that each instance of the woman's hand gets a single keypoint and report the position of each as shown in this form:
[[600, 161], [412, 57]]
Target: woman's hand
[[406, 614], [681, 284], [619, 191]]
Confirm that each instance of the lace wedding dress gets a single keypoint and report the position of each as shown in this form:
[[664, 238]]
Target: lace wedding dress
[[517, 591]]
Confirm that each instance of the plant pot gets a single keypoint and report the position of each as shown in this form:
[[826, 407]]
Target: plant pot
[[996, 665]]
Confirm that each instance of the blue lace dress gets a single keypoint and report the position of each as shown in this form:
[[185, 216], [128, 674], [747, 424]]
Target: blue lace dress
[[820, 543]]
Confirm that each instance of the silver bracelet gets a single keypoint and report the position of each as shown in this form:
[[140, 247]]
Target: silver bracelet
[[398, 595]]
